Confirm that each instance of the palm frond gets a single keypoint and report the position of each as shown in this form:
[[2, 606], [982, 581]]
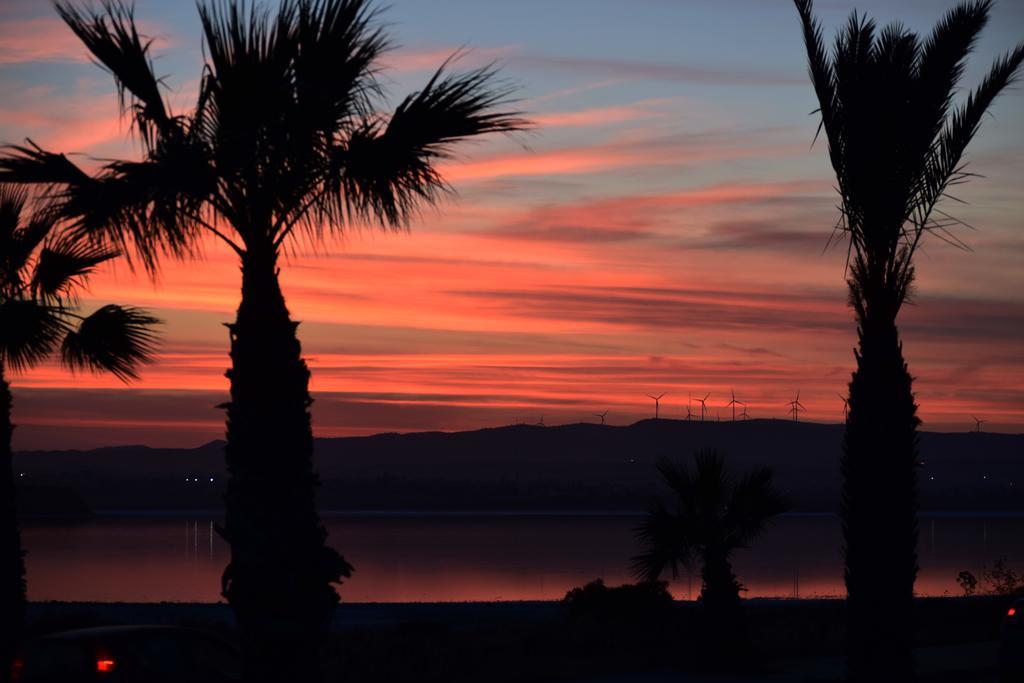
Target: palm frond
[[29, 332], [676, 476], [387, 171], [667, 544], [338, 46], [32, 165], [241, 36], [943, 61], [250, 83], [896, 50], [753, 502], [12, 203], [64, 263], [114, 339], [944, 165], [331, 86], [819, 65], [18, 238], [16, 252], [712, 481], [250, 117], [111, 36], [142, 209]]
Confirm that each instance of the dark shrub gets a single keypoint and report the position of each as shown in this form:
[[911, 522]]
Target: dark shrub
[[631, 601]]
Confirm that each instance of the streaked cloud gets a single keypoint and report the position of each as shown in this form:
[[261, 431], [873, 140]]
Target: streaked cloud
[[39, 39], [697, 74], [662, 228], [601, 116], [40, 115], [47, 39]]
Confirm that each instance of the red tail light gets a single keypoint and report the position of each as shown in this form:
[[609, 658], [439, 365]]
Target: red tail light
[[104, 666], [1011, 612]]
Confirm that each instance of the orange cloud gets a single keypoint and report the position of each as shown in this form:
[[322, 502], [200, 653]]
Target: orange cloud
[[608, 156], [42, 39], [599, 116], [48, 39], [90, 123], [561, 162]]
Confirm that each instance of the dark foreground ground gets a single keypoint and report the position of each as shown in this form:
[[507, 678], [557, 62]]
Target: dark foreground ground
[[790, 640]]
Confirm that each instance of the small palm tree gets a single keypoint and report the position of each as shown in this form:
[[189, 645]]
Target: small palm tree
[[895, 139], [713, 513], [41, 271], [287, 140]]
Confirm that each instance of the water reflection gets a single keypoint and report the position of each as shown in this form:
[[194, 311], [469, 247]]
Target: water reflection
[[414, 558], [196, 537]]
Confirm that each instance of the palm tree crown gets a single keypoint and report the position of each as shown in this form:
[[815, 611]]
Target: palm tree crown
[[286, 134], [713, 512], [896, 136], [41, 271]]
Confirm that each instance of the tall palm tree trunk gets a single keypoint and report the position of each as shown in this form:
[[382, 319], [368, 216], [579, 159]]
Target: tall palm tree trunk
[[879, 506], [12, 563], [721, 591], [279, 579], [723, 634]]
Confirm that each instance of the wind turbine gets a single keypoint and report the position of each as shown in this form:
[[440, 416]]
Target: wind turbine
[[846, 406], [978, 423], [744, 413], [703, 405], [795, 406], [541, 423], [657, 403], [689, 413], [733, 403], [601, 415]]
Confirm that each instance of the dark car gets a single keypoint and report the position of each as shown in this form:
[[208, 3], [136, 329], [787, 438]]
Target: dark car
[[128, 654], [1011, 649]]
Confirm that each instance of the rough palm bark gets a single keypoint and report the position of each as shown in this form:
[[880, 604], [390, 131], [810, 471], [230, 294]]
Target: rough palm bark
[[12, 563], [279, 579], [879, 506]]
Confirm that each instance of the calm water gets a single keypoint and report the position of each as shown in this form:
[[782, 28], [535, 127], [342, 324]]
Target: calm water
[[438, 558]]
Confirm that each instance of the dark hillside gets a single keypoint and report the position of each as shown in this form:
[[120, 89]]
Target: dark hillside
[[577, 467]]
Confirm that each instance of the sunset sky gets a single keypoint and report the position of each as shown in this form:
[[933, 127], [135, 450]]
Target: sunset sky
[[661, 230]]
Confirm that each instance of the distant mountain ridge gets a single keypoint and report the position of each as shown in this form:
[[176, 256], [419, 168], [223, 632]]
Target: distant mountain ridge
[[525, 467]]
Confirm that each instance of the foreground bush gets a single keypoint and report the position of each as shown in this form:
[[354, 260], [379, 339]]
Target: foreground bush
[[648, 600]]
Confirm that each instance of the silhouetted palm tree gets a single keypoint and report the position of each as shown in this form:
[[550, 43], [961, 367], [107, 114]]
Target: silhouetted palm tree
[[895, 139], [713, 513], [286, 140], [41, 271]]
